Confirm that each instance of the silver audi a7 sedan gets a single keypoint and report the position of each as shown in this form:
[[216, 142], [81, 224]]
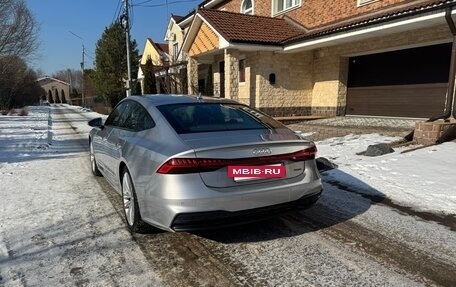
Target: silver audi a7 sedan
[[186, 163]]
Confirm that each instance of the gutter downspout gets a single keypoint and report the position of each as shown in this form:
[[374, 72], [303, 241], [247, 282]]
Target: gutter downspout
[[450, 107]]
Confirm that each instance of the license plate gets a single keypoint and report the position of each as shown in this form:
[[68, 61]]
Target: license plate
[[256, 172]]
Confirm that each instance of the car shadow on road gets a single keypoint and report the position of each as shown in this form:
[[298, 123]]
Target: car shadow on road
[[341, 200], [33, 151]]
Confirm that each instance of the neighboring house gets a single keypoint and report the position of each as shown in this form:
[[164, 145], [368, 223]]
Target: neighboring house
[[158, 53], [57, 91], [176, 32], [311, 57], [175, 35], [177, 72]]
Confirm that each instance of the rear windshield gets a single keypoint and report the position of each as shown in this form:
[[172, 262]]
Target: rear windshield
[[211, 117]]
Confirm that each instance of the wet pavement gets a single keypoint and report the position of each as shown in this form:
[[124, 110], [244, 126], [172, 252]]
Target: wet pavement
[[321, 129]]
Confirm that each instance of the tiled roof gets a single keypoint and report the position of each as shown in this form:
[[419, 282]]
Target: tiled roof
[[251, 29], [164, 47], [177, 18], [377, 17], [242, 28]]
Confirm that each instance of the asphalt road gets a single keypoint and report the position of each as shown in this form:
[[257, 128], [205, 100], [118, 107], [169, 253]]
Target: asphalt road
[[346, 239]]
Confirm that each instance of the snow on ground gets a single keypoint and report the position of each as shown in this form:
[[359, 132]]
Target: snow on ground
[[57, 227], [423, 179]]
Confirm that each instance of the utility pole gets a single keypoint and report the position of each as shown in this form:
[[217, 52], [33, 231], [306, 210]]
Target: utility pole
[[126, 25], [82, 80], [82, 67], [70, 90]]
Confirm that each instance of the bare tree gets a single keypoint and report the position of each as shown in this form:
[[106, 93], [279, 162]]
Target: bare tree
[[18, 41], [18, 29], [18, 86]]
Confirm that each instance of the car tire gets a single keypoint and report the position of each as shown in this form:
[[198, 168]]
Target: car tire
[[93, 161], [130, 206]]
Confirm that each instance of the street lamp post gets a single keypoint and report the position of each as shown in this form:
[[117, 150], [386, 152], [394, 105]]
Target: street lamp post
[[82, 67]]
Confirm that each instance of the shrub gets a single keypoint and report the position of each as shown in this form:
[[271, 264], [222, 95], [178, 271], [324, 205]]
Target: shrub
[[23, 112]]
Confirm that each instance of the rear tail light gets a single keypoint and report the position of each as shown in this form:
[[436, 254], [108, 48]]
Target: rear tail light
[[195, 165]]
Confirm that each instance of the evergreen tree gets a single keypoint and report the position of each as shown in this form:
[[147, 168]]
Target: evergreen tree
[[111, 64], [209, 82], [150, 83]]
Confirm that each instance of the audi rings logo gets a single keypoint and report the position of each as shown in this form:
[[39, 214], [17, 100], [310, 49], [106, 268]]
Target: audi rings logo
[[261, 151]]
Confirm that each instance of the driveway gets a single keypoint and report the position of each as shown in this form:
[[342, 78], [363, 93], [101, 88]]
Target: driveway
[[61, 227]]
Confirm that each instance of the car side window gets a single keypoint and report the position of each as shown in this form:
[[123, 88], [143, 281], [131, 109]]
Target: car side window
[[138, 118], [117, 115]]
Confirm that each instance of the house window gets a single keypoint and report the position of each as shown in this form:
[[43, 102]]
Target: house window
[[175, 51], [247, 7], [241, 71], [279, 6], [365, 2]]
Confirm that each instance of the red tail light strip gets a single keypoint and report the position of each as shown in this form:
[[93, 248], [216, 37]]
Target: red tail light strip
[[195, 165]]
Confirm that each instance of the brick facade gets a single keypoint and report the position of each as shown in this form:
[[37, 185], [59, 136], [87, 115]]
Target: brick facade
[[430, 132], [312, 13]]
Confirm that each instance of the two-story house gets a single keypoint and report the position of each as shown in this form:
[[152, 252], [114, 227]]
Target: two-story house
[[177, 73], [310, 57], [158, 53]]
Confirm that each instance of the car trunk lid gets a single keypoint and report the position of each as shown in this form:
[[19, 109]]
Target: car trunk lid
[[217, 152]]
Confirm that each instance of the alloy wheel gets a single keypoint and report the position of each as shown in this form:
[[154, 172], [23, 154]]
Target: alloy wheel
[[128, 199]]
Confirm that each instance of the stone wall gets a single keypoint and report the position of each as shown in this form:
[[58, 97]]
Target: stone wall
[[291, 92], [311, 82], [232, 74], [331, 64]]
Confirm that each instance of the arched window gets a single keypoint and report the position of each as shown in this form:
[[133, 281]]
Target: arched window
[[247, 7], [63, 96]]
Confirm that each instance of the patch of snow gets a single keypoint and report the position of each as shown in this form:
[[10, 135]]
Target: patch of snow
[[57, 227], [422, 179]]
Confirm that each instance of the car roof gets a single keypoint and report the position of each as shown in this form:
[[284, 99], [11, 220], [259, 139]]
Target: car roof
[[166, 99]]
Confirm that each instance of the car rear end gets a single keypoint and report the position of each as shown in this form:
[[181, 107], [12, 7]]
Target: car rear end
[[241, 166]]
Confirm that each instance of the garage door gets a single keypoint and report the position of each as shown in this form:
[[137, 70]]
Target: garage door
[[404, 83]]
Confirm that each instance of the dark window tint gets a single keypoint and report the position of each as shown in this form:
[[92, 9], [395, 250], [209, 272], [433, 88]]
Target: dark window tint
[[117, 116], [138, 118], [209, 117], [130, 115]]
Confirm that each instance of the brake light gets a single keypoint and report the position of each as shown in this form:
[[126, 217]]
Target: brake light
[[306, 154], [195, 165]]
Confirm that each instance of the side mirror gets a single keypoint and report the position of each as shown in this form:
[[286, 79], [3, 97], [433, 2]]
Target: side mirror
[[96, 123]]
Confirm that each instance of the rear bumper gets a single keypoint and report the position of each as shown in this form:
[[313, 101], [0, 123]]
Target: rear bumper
[[219, 219]]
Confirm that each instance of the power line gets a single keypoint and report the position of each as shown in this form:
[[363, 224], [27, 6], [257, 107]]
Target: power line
[[164, 4], [144, 2], [132, 15], [117, 11], [90, 57]]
